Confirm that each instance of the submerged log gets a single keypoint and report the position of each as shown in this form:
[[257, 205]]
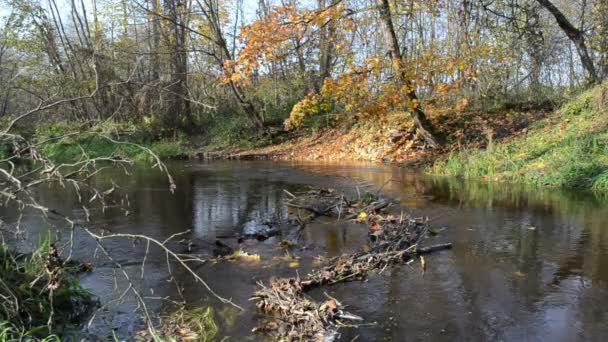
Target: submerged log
[[221, 249], [434, 248]]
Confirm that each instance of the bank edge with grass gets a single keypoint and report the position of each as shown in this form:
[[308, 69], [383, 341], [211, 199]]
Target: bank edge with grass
[[568, 149]]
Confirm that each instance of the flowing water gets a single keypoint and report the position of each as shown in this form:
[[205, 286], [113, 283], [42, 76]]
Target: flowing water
[[527, 264]]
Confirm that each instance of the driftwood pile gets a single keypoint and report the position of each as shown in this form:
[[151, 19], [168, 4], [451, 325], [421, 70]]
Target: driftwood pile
[[327, 202], [393, 240], [295, 316]]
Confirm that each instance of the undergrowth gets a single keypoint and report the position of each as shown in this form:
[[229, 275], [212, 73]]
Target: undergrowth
[[568, 149], [40, 295], [63, 142]]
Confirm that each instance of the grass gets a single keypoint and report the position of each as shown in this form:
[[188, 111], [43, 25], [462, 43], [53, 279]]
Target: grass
[[29, 310], [569, 149], [230, 132], [9, 332], [61, 148]]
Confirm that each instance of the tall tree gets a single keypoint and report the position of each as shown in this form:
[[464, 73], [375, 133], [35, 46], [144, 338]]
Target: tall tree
[[418, 116], [179, 109], [576, 36], [211, 12], [325, 46]]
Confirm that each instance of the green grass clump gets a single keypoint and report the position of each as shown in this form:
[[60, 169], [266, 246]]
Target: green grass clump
[[39, 295], [569, 149], [9, 332], [64, 142]]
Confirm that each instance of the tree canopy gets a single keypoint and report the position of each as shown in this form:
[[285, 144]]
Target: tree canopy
[[172, 64]]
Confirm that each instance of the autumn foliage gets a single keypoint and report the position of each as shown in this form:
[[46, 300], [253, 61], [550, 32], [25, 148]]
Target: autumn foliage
[[269, 39], [363, 88]]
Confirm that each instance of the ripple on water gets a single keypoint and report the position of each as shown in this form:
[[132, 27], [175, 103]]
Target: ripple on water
[[527, 264]]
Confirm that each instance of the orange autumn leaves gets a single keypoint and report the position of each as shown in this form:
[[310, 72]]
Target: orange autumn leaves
[[269, 39], [369, 91], [364, 88]]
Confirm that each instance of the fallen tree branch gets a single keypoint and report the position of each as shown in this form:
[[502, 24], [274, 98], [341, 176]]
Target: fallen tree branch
[[297, 317]]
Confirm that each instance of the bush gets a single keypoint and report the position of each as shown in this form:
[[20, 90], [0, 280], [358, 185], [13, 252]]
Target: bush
[[308, 112]]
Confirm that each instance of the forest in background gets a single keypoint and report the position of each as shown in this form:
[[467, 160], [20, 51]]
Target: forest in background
[[181, 76], [506, 90], [178, 65]]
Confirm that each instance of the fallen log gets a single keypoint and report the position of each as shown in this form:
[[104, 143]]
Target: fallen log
[[435, 248]]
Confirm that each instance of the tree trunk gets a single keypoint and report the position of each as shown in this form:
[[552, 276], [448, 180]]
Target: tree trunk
[[576, 36], [155, 42], [211, 13], [325, 47], [179, 113], [422, 124]]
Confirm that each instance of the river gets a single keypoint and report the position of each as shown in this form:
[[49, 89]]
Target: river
[[527, 264]]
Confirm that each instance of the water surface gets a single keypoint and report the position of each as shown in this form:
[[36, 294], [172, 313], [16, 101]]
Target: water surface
[[527, 264]]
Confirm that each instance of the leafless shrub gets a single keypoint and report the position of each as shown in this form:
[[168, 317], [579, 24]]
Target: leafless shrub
[[19, 184]]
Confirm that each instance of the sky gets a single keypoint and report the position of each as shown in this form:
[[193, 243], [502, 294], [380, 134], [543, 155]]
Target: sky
[[250, 6]]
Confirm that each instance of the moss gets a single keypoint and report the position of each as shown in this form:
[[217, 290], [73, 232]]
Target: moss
[[569, 149]]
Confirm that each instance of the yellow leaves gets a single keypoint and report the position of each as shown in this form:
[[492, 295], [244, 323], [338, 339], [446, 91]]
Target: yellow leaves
[[311, 105], [366, 91], [462, 104], [413, 104], [361, 217], [539, 165], [267, 38], [244, 256]]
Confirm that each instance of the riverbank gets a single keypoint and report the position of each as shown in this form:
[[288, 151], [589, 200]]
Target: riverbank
[[391, 139], [561, 148], [568, 149]]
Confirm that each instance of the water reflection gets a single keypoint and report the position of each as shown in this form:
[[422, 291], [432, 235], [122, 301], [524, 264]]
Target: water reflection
[[225, 206], [528, 264]]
